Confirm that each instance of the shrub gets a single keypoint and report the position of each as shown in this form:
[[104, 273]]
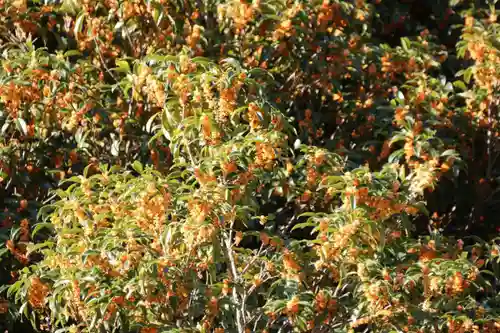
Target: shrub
[[235, 166]]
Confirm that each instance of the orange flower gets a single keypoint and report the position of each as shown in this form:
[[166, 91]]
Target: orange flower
[[25, 230], [257, 281], [445, 167], [23, 204], [292, 307], [149, 330], [213, 306], [426, 255], [206, 126], [306, 196], [4, 306], [289, 262], [37, 293], [226, 288], [469, 21], [400, 115], [238, 237], [408, 149], [320, 301], [264, 238], [228, 168]]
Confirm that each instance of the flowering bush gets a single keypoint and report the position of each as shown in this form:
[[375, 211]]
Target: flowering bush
[[249, 166]]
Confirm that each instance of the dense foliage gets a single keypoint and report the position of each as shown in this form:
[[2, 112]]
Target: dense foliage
[[249, 166]]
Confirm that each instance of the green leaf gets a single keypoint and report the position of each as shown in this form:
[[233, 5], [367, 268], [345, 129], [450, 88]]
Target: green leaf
[[232, 63], [449, 152], [70, 6], [79, 24], [122, 66], [202, 61], [115, 148], [21, 125], [161, 58], [40, 226], [137, 166], [35, 247], [405, 42], [468, 75], [72, 53], [421, 206], [149, 124], [14, 288], [5, 127], [460, 85], [304, 225], [3, 251]]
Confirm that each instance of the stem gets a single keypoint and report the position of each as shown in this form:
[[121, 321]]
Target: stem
[[103, 62], [191, 158], [488, 142], [189, 152], [256, 323], [240, 321], [125, 30], [335, 293], [253, 260]]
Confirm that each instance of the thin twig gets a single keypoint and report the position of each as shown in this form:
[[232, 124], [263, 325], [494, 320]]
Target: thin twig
[[189, 152], [488, 142], [239, 316], [125, 29], [103, 61], [259, 253], [186, 144], [256, 321]]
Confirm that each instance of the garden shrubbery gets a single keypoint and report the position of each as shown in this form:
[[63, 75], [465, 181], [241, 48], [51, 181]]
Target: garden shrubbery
[[249, 166]]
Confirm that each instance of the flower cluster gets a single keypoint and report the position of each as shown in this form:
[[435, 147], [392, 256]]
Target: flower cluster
[[249, 165]]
